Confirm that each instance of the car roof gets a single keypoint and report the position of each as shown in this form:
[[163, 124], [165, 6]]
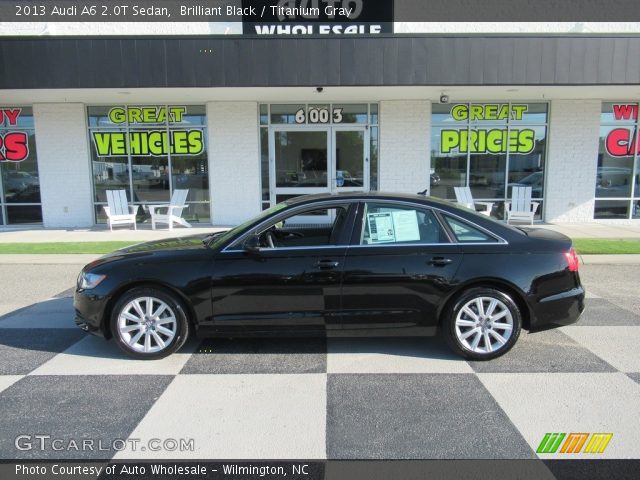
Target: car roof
[[317, 197]]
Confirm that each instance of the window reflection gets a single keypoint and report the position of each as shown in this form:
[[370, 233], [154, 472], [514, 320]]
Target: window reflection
[[150, 179], [448, 170], [19, 176], [499, 144], [617, 174], [301, 159]]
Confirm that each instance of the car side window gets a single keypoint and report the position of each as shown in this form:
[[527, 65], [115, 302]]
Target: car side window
[[466, 233], [318, 227], [384, 223]]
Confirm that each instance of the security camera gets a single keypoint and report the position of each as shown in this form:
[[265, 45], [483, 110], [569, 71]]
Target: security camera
[[444, 98], [319, 89]]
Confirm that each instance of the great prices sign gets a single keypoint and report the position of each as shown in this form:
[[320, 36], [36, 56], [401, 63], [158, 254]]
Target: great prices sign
[[623, 141], [491, 140], [155, 140], [14, 144]]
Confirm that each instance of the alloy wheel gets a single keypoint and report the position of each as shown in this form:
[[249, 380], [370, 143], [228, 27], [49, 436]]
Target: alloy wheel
[[484, 325], [147, 324]]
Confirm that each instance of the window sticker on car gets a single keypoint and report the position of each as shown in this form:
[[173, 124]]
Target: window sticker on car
[[381, 227], [405, 223], [393, 226]]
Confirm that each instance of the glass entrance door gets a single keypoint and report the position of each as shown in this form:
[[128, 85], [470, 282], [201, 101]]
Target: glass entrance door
[[307, 160], [300, 162], [350, 159]]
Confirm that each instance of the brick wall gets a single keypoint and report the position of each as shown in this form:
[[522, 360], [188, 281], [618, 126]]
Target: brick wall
[[572, 160], [233, 161], [63, 164], [404, 145]]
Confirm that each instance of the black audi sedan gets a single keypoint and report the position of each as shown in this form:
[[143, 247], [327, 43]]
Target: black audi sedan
[[338, 265]]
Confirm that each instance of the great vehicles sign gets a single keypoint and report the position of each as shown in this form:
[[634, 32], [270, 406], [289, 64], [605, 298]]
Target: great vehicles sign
[[137, 140]]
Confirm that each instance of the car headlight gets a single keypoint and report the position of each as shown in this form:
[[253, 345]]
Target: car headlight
[[87, 281]]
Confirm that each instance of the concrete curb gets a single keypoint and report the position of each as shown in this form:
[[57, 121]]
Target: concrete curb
[[631, 259], [47, 259]]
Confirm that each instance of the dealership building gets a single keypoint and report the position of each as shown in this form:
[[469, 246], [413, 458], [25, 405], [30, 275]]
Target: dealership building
[[244, 122]]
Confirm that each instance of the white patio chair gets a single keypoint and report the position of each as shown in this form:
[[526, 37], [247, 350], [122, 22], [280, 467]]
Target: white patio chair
[[464, 198], [173, 213], [118, 211], [521, 207]]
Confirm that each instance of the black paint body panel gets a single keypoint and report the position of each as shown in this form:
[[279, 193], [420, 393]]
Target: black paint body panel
[[367, 290]]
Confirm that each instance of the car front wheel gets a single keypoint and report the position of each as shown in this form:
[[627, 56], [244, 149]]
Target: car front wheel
[[149, 323], [483, 323]]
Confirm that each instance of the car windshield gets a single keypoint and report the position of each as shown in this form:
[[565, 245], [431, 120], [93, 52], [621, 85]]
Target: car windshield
[[216, 240]]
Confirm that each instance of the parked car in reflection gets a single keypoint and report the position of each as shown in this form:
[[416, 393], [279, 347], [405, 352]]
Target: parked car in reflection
[[534, 181], [369, 264], [14, 181], [613, 176]]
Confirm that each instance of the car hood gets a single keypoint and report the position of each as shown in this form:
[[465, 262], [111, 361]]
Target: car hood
[[189, 242], [177, 244], [139, 251]]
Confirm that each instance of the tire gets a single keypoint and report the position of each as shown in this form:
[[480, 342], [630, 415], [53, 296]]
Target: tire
[[467, 332], [161, 332]]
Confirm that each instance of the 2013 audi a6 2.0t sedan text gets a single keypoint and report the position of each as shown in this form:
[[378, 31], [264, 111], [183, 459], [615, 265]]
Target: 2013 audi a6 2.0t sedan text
[[338, 265]]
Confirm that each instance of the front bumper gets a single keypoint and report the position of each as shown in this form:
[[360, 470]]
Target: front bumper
[[89, 311], [558, 310]]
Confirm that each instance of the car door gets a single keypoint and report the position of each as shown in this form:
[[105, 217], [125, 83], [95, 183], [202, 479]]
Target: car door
[[400, 265], [292, 287]]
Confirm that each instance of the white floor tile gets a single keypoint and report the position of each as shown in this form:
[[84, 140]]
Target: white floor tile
[[239, 416], [96, 356], [618, 346], [7, 380], [571, 402]]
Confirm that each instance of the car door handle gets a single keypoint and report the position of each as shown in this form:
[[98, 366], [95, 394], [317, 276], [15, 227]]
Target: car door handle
[[326, 264], [439, 261]]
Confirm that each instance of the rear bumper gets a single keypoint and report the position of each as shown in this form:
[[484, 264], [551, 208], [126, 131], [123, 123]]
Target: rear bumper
[[557, 310]]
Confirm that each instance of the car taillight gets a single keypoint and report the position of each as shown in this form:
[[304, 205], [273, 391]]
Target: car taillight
[[573, 262]]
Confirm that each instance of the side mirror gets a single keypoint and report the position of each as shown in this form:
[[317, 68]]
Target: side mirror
[[252, 245]]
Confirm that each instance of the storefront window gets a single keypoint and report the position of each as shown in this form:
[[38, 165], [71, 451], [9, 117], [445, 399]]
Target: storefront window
[[489, 147], [150, 151], [617, 193], [20, 183]]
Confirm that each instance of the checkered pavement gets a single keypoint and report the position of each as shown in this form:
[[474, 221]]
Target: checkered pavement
[[316, 398]]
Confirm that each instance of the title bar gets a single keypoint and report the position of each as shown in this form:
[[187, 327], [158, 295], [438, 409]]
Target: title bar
[[340, 11]]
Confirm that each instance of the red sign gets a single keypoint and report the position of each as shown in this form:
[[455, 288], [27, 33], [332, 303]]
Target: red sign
[[623, 142], [14, 146]]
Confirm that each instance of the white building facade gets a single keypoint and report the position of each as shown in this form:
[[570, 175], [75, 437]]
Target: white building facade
[[241, 143]]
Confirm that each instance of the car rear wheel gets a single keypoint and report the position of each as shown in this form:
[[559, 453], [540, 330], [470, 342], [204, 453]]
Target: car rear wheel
[[149, 323], [483, 323]]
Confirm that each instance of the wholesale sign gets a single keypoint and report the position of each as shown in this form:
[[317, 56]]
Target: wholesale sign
[[622, 142], [158, 141], [14, 146], [489, 140], [317, 17]]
